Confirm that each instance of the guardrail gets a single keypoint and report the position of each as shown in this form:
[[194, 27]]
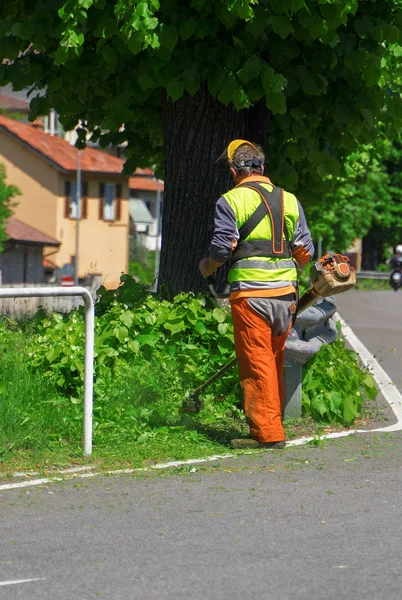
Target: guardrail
[[314, 327], [372, 275], [42, 292]]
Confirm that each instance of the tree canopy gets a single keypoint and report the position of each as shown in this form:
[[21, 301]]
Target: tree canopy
[[312, 81]]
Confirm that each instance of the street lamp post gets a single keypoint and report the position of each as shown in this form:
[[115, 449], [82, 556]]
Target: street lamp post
[[77, 217], [158, 234]]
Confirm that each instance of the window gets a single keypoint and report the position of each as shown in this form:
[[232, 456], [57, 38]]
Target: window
[[71, 202], [110, 196]]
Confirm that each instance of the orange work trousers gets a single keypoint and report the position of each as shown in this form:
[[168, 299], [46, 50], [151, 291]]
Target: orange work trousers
[[261, 358]]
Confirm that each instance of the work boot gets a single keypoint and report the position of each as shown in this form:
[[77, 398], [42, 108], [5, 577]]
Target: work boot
[[246, 443]]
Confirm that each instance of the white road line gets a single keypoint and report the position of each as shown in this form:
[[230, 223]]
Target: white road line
[[30, 482], [16, 581], [385, 386]]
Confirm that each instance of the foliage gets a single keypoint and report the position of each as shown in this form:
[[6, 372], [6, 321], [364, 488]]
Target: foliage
[[335, 386], [185, 341], [7, 193], [329, 74], [135, 328], [142, 261], [150, 356], [25, 422], [326, 72], [18, 116], [367, 199]]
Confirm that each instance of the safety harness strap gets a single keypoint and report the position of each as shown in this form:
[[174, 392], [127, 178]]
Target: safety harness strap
[[272, 204]]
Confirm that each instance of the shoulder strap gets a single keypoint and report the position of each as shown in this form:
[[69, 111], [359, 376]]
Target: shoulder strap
[[272, 204]]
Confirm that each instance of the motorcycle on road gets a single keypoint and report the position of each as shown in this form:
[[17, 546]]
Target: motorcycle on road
[[395, 279]]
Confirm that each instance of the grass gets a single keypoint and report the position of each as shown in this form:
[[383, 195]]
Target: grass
[[137, 418], [367, 285]]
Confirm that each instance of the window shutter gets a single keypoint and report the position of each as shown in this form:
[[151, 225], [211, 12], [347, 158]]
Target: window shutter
[[84, 194], [67, 193], [117, 213], [101, 200]]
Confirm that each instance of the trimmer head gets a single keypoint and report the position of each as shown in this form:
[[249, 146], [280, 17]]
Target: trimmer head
[[192, 404]]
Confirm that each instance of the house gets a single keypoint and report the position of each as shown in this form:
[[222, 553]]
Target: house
[[16, 106], [22, 258], [94, 223], [146, 199]]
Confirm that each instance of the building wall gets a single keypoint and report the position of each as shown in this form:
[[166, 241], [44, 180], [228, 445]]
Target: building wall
[[21, 264], [151, 240], [38, 182], [103, 246]]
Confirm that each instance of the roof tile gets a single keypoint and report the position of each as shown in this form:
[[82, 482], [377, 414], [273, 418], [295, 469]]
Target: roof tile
[[145, 183], [60, 152], [18, 231]]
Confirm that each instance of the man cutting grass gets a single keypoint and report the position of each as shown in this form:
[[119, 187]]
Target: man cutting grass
[[262, 231]]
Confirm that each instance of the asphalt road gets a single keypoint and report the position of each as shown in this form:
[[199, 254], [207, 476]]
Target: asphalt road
[[376, 319], [309, 522]]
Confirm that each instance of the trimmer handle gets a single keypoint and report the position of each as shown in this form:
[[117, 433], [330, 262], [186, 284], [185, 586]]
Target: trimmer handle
[[213, 291]]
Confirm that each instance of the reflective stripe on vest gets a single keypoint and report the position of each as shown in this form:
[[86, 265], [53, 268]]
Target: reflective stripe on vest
[[264, 264], [243, 202]]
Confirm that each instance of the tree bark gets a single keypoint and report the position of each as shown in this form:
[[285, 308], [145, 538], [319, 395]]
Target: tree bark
[[196, 130]]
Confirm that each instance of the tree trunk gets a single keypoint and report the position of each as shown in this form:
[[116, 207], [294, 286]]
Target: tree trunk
[[196, 130]]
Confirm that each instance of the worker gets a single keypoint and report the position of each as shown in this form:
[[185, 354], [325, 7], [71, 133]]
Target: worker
[[262, 231]]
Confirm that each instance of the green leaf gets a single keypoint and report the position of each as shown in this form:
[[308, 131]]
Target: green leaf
[[147, 339], [175, 326], [142, 9], [227, 90], [254, 90], [312, 384], [336, 402], [368, 117], [200, 327], [349, 410], [219, 315], [282, 26], [191, 81], [250, 70], [276, 103], [187, 27], [397, 51], [127, 318], [216, 79], [146, 82], [134, 346], [312, 83], [240, 99], [223, 328], [169, 36], [121, 333], [175, 90], [370, 387], [319, 405], [363, 26], [54, 353]]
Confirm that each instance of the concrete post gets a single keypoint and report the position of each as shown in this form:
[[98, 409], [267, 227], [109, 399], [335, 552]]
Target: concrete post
[[293, 389]]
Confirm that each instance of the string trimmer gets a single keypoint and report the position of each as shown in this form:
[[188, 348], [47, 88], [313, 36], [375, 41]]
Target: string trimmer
[[331, 274]]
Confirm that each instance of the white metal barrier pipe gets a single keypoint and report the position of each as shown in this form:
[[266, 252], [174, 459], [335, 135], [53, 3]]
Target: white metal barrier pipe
[[42, 292]]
